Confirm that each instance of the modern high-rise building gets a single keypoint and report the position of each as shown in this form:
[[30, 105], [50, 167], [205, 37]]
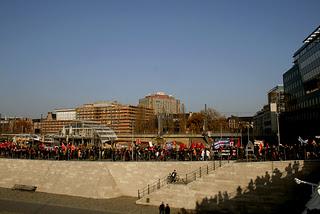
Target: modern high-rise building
[[161, 103], [302, 91]]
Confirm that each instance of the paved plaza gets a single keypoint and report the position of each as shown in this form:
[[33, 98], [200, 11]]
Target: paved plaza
[[14, 202]]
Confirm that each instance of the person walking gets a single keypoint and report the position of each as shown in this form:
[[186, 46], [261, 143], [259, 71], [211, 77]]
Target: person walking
[[167, 209], [161, 208]]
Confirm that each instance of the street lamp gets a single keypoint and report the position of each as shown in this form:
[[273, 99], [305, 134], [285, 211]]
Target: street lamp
[[132, 143], [313, 185], [278, 126], [249, 125]]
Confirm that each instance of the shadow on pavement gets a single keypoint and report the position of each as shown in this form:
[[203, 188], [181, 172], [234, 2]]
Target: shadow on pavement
[[266, 194]]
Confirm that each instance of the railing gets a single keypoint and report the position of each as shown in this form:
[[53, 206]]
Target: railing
[[181, 179], [150, 188]]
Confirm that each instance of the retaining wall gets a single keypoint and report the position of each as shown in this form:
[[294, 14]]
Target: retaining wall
[[88, 179]]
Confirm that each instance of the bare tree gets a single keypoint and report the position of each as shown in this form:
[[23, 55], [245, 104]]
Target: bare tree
[[182, 120], [214, 120], [195, 123]]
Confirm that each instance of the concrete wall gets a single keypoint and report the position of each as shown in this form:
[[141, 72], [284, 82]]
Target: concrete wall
[[88, 179]]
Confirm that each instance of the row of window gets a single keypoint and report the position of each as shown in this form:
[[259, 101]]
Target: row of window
[[294, 86], [291, 75], [309, 55], [308, 48], [306, 104], [312, 73], [306, 116], [297, 94], [311, 59]]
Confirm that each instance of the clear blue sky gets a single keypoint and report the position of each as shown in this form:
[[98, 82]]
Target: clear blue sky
[[226, 54]]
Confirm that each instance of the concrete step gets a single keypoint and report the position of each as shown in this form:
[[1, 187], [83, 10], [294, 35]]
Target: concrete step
[[224, 182]]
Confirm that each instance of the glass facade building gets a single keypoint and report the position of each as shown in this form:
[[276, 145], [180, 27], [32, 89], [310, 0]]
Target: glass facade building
[[302, 91]]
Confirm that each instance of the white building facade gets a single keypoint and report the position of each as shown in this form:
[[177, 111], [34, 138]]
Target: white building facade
[[66, 114]]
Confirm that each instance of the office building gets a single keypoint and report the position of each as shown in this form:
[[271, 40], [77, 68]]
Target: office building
[[50, 124], [161, 103], [123, 119], [265, 121], [302, 92]]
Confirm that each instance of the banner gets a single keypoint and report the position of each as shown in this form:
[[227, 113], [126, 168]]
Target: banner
[[221, 143]]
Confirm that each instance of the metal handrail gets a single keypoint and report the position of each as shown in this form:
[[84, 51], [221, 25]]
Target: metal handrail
[[183, 179], [152, 187]]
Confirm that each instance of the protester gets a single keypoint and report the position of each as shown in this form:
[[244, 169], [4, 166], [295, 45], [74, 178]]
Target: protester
[[69, 151]]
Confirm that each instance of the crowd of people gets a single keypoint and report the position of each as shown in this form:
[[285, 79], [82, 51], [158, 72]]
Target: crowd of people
[[196, 152]]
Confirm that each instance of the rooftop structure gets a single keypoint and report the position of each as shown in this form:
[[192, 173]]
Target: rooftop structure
[[313, 35], [276, 97], [66, 114]]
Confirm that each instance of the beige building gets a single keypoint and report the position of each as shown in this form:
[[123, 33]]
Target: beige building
[[50, 125], [161, 103], [266, 120], [120, 118], [123, 119]]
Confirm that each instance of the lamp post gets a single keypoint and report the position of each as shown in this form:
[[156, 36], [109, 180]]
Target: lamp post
[[248, 133], [159, 125], [132, 143], [278, 126], [241, 138], [248, 129], [315, 187]]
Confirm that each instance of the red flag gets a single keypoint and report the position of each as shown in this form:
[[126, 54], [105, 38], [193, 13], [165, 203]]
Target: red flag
[[260, 147], [63, 147], [193, 145], [202, 146], [182, 147], [239, 143]]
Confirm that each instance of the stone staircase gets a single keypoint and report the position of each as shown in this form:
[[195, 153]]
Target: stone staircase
[[228, 183], [183, 196]]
